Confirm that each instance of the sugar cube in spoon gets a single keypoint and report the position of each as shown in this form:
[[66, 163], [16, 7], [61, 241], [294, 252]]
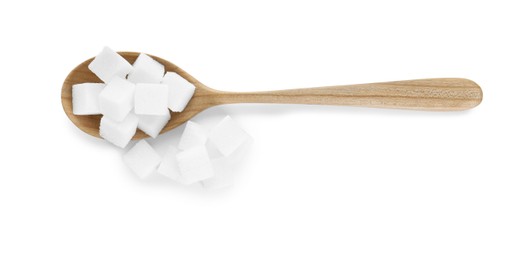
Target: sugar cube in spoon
[[116, 99], [180, 91], [146, 70], [119, 133], [85, 98], [109, 64], [151, 99], [152, 125]]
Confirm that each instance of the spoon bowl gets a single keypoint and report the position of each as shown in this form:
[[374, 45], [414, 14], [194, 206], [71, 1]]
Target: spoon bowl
[[90, 124], [439, 94]]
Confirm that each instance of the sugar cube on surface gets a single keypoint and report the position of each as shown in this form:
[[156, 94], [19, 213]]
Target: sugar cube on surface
[[180, 91], [142, 159], [238, 156], [108, 64], [227, 168], [168, 166], [152, 125], [212, 150], [194, 165], [151, 99], [119, 133], [227, 136], [193, 135], [116, 99], [223, 175], [146, 70], [85, 98]]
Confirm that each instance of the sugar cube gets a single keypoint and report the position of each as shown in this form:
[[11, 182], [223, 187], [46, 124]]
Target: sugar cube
[[227, 136], [180, 91], [151, 99], [108, 64], [194, 165], [142, 159], [116, 99], [212, 150], [223, 175], [168, 166], [152, 125], [193, 135], [118, 133], [85, 98], [239, 154], [226, 168], [146, 70]]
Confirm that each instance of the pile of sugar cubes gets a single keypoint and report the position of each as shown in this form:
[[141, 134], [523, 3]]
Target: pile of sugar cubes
[[141, 96]]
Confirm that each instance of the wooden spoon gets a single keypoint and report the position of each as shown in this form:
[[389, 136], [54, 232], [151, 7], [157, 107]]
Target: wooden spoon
[[443, 94]]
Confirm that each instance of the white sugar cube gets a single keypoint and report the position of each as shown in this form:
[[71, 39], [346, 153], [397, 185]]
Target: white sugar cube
[[194, 165], [239, 154], [180, 91], [142, 159], [152, 125], [108, 64], [193, 135], [116, 99], [85, 98], [223, 175], [119, 133], [151, 99], [146, 70], [226, 168], [168, 166], [227, 136]]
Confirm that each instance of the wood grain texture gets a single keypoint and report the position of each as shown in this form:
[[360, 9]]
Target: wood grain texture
[[443, 94]]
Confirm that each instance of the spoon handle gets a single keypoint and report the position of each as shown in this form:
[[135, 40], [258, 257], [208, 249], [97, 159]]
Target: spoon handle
[[441, 94]]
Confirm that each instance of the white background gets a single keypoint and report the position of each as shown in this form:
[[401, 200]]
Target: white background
[[319, 182]]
